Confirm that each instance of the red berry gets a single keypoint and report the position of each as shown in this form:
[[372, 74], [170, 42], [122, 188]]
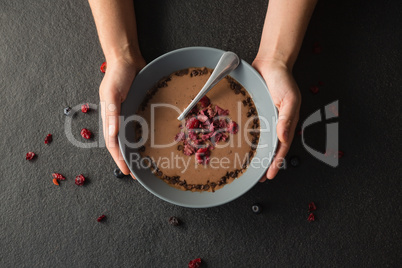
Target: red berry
[[311, 217], [84, 108], [233, 127], [48, 138], [202, 156], [79, 180], [30, 155], [86, 134], [58, 176], [103, 67], [196, 263], [56, 182], [314, 89], [101, 218], [204, 101], [193, 122], [311, 207], [317, 49]]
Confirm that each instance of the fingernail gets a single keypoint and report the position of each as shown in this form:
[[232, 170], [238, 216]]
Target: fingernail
[[111, 130]]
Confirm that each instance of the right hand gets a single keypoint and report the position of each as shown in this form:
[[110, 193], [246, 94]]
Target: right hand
[[112, 92]]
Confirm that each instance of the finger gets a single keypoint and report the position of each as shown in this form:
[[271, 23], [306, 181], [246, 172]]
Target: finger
[[132, 176], [110, 115], [287, 121]]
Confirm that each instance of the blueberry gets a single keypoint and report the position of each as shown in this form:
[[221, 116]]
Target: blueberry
[[295, 161], [117, 172], [256, 208], [67, 111]]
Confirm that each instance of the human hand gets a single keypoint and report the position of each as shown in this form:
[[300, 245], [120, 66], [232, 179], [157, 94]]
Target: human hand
[[112, 92], [287, 98]]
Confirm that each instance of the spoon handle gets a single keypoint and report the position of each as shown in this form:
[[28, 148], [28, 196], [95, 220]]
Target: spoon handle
[[227, 63]]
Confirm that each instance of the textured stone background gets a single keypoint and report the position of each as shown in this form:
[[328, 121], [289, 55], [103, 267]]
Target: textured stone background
[[50, 58]]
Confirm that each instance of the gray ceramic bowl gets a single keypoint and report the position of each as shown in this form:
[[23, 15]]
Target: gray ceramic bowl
[[252, 82]]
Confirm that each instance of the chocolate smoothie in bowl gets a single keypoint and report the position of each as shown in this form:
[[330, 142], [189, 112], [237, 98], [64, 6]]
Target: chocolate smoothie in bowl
[[212, 146]]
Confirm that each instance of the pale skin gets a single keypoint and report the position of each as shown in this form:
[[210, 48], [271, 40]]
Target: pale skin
[[284, 28]]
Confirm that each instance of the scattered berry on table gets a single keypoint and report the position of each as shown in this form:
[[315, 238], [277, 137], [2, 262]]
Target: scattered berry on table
[[67, 111], [86, 134], [85, 108], [256, 208], [30, 155], [48, 138], [311, 217], [101, 218], [80, 180], [103, 67], [174, 221], [56, 182], [312, 207], [295, 161], [314, 89], [117, 172], [196, 263], [58, 176]]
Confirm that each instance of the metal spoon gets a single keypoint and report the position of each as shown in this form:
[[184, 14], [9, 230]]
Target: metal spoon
[[227, 63]]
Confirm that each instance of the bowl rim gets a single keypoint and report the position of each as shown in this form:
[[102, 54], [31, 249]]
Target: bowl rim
[[251, 185]]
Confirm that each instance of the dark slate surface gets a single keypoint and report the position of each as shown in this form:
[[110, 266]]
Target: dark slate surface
[[50, 58]]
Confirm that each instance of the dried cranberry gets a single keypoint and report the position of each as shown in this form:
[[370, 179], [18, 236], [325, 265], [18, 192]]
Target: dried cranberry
[[86, 134], [311, 217], [101, 218], [196, 263], [48, 138], [85, 108], [30, 155], [311, 207], [58, 176], [192, 123], [314, 89], [80, 180], [317, 49], [233, 127], [103, 67], [174, 221], [204, 101], [202, 156]]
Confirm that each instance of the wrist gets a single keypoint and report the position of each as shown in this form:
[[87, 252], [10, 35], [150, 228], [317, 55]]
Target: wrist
[[126, 57]]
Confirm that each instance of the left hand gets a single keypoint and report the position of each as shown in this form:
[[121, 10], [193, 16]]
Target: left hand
[[287, 98]]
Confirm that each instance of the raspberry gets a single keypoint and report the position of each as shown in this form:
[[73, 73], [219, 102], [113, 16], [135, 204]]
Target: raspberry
[[202, 156], [58, 176], [192, 123], [79, 180], [103, 67], [48, 138], [204, 101], [86, 134], [311, 217], [101, 218], [233, 127], [30, 156], [196, 263], [85, 108], [314, 89], [311, 207], [174, 221]]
